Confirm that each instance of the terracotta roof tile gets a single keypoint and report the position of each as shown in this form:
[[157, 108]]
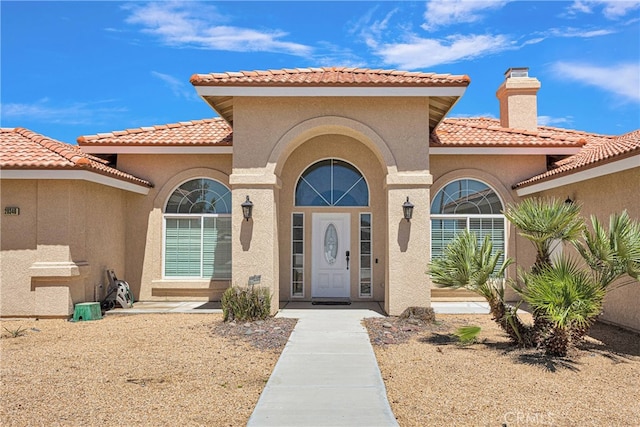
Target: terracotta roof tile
[[597, 151], [213, 131], [485, 132], [24, 149], [329, 76]]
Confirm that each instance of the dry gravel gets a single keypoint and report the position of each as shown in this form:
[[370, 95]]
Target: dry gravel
[[192, 369], [151, 370], [433, 381]]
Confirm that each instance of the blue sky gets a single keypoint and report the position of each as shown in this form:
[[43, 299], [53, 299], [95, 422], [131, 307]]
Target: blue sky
[[78, 68]]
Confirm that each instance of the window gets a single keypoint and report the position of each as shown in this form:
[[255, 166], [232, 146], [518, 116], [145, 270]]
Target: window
[[197, 224], [332, 183], [365, 255], [297, 262], [466, 204]]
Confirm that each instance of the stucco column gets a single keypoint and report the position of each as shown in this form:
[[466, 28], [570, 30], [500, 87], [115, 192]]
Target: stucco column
[[255, 242], [408, 248]]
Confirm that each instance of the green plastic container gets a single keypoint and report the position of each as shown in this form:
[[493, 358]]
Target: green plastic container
[[87, 311]]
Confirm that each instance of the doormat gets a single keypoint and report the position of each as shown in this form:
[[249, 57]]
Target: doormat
[[330, 301]]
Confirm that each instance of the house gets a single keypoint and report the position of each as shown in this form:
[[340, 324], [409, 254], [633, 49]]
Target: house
[[327, 177]]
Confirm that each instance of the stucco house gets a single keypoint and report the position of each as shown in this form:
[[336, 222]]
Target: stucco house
[[328, 158]]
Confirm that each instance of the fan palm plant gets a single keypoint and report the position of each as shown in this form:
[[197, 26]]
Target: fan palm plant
[[476, 267], [546, 222], [567, 297], [613, 253]]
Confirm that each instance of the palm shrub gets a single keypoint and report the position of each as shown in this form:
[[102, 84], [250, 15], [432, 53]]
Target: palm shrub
[[567, 297], [246, 303], [467, 264], [612, 253]]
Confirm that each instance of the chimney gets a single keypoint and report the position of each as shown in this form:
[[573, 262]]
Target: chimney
[[518, 101]]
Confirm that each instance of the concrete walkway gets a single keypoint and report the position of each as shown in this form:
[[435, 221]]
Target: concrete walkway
[[327, 374]]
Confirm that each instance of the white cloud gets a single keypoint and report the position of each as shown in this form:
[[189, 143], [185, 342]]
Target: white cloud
[[78, 113], [611, 9], [552, 121], [179, 88], [622, 80], [200, 26], [423, 53], [441, 13]]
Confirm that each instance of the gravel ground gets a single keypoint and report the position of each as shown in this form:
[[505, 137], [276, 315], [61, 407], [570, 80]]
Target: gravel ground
[[151, 370], [192, 369], [432, 380]]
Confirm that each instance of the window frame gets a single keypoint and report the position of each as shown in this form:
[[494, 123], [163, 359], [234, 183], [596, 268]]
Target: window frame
[[360, 294], [200, 216], [468, 217], [364, 179], [291, 281]]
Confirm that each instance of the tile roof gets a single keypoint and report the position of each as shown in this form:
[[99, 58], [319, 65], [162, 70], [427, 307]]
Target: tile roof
[[485, 132], [213, 131], [329, 76], [24, 149], [596, 152]]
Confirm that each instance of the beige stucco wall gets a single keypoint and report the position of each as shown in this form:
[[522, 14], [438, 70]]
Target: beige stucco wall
[[392, 133], [500, 172], [54, 254], [144, 223], [601, 197]]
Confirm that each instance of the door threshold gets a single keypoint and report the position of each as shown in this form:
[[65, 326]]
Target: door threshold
[[331, 301]]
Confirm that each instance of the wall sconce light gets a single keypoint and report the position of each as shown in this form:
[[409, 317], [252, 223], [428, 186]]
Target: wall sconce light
[[247, 207], [568, 201], [407, 209]]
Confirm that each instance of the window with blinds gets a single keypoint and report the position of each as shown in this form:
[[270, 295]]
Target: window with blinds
[[197, 235], [466, 204]]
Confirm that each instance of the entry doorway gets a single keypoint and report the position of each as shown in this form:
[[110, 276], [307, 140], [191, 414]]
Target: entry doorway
[[331, 255]]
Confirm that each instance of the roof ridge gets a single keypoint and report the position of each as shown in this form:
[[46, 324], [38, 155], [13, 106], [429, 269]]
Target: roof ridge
[[260, 75], [141, 129]]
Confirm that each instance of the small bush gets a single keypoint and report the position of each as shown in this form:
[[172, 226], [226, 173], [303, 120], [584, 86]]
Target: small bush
[[15, 333], [467, 334], [241, 303]]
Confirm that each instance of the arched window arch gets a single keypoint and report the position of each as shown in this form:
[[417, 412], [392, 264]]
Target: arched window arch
[[197, 231], [466, 204], [332, 182]]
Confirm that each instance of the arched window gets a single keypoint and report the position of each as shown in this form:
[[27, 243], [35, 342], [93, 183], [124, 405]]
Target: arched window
[[197, 223], [466, 204], [332, 183]]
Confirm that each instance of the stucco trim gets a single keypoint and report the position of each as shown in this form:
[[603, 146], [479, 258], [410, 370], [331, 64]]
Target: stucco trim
[[328, 91], [510, 151], [155, 149], [178, 179], [58, 269], [328, 125], [80, 175], [598, 171]]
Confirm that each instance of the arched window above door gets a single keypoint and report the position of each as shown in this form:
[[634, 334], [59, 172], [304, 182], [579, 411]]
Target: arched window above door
[[332, 182]]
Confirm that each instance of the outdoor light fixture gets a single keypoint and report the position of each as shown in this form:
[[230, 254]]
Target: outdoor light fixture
[[568, 201], [407, 209], [247, 207]]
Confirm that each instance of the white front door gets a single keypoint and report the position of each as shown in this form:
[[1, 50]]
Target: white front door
[[330, 245]]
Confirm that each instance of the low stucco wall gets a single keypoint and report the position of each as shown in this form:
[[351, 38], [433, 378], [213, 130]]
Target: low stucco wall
[[54, 254], [601, 197]]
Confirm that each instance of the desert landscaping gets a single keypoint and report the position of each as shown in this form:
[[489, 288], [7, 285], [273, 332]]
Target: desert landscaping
[[193, 369]]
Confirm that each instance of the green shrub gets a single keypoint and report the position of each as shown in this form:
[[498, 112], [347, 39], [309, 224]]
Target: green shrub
[[467, 334], [246, 303]]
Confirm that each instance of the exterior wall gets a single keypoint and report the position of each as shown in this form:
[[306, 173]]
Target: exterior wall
[[356, 153], [395, 132], [601, 197], [500, 173], [54, 254], [144, 223]]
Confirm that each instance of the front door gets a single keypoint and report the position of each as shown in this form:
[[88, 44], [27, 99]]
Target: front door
[[331, 255]]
